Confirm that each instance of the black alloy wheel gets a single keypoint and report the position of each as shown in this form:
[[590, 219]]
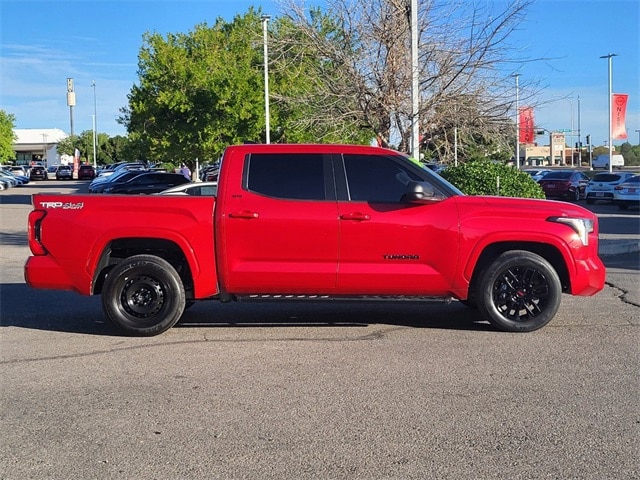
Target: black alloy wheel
[[519, 292]]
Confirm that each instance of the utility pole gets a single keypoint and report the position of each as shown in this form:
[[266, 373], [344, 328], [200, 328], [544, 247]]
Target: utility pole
[[265, 21], [517, 75], [609, 57], [415, 84]]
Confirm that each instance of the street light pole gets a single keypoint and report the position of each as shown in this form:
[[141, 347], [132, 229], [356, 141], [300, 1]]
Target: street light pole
[[609, 57], [415, 85], [571, 134], [95, 122], [265, 20], [579, 136], [517, 76]]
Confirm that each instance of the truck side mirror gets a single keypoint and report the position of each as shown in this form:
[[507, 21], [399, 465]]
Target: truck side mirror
[[419, 192]]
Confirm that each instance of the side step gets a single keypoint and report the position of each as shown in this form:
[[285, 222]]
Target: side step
[[383, 298]]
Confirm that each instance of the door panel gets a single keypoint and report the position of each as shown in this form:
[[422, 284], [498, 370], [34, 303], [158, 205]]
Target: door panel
[[282, 245], [388, 246], [402, 250]]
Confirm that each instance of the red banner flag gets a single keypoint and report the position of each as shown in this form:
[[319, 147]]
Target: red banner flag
[[618, 113], [527, 128]]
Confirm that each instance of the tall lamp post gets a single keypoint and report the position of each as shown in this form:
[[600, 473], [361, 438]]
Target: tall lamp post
[[579, 136], [415, 84], [571, 133], [517, 75], [265, 20], [609, 57], [95, 122]]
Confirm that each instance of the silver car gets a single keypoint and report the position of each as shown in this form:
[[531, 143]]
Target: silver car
[[627, 193]]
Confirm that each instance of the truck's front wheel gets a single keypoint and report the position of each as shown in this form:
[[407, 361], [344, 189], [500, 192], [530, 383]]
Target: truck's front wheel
[[143, 295], [519, 292]]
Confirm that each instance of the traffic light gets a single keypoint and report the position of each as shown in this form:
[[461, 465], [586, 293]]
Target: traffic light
[[588, 139]]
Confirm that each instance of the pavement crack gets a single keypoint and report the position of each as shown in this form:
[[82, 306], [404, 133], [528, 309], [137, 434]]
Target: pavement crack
[[623, 294]]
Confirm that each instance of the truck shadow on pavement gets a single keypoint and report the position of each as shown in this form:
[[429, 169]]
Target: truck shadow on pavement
[[56, 311]]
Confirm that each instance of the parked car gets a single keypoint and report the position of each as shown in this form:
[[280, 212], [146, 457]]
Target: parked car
[[6, 183], [51, 172], [64, 172], [38, 173], [86, 172], [210, 173], [601, 186], [9, 180], [100, 183], [19, 170], [602, 161], [111, 169], [17, 179], [536, 173], [627, 193], [148, 182], [197, 189], [569, 184]]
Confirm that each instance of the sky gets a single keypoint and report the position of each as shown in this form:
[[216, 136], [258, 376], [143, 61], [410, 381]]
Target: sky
[[42, 43]]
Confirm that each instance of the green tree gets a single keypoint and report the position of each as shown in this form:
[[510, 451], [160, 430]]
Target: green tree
[[7, 137], [202, 91], [197, 92], [485, 177], [630, 153]]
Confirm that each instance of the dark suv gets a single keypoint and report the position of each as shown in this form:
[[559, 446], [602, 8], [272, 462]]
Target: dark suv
[[64, 172], [38, 173], [86, 171]]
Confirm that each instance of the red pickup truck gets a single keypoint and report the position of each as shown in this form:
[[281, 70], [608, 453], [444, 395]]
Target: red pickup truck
[[296, 221]]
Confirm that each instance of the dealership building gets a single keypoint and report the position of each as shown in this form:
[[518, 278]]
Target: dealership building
[[38, 145]]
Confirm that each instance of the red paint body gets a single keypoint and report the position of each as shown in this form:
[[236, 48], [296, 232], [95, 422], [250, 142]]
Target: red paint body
[[242, 242]]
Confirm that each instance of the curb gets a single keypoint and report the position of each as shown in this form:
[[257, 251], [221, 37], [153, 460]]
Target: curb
[[618, 247]]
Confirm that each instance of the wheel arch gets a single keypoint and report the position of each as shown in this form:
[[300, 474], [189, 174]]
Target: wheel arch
[[119, 249], [544, 250]]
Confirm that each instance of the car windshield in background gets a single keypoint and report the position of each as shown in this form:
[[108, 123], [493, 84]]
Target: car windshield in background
[[557, 176]]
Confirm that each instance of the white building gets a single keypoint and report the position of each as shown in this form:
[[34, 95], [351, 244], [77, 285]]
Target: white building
[[37, 145]]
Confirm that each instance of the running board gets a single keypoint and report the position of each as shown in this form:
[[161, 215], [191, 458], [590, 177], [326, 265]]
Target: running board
[[384, 298]]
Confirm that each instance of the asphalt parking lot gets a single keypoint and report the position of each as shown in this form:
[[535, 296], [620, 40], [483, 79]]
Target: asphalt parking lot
[[369, 390]]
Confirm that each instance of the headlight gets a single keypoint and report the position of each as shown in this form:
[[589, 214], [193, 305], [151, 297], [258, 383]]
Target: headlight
[[582, 226]]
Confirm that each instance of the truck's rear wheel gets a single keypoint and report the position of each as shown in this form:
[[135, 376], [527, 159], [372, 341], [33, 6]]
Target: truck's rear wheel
[[143, 295], [519, 292]]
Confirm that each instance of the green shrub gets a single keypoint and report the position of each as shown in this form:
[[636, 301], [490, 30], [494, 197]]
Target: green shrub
[[489, 178]]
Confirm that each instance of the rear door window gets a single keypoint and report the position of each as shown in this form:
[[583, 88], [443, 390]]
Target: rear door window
[[288, 176]]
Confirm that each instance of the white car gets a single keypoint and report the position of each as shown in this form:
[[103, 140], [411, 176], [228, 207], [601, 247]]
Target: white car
[[196, 189], [536, 173], [601, 186], [627, 193]]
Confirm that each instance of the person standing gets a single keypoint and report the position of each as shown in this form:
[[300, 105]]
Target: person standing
[[185, 171]]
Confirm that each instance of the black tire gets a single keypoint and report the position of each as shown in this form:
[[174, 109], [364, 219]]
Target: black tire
[[519, 292], [143, 295], [576, 195]]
